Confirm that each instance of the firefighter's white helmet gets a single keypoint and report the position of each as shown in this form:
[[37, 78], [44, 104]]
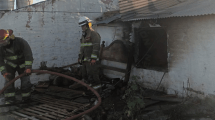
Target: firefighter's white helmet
[[83, 21]]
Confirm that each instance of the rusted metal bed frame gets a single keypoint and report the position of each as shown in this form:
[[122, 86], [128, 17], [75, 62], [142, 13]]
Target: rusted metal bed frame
[[117, 51]]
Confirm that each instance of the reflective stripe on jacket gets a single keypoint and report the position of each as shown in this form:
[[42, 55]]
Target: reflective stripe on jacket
[[19, 54], [9, 94], [90, 46]]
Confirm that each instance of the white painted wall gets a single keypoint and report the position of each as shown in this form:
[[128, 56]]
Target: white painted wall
[[191, 59], [191, 64], [109, 33], [51, 29]]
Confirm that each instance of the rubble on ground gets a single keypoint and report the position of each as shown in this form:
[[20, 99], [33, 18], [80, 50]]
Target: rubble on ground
[[54, 99]]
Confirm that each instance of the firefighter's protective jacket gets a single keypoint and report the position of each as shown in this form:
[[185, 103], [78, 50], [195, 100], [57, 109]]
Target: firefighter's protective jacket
[[90, 46], [18, 55]]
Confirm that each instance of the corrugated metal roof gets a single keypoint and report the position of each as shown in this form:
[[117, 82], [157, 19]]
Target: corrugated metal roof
[[23, 3], [6, 4], [152, 9], [108, 20]]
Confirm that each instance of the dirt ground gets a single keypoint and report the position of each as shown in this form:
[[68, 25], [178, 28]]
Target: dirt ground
[[193, 108]]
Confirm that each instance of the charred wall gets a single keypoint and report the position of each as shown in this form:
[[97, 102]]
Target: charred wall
[[190, 57]]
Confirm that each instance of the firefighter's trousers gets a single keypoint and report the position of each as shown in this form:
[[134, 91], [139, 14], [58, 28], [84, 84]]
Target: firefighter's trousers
[[9, 93], [92, 70]]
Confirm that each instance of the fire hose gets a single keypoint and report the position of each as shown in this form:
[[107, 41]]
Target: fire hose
[[65, 76]]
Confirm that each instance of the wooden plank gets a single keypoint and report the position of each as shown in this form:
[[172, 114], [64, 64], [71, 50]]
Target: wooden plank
[[80, 108], [65, 101], [64, 96], [166, 99], [50, 108], [39, 113], [149, 102], [23, 115], [70, 65], [35, 115], [51, 112], [60, 89], [15, 116], [114, 68], [101, 50], [57, 104], [129, 64], [116, 51]]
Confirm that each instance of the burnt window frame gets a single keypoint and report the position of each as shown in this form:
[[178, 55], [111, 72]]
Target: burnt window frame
[[148, 50]]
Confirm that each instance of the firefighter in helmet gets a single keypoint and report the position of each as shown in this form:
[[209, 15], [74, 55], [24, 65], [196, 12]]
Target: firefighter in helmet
[[15, 56], [89, 52]]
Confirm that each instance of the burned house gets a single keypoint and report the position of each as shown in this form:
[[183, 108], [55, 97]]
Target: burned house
[[167, 44], [173, 44]]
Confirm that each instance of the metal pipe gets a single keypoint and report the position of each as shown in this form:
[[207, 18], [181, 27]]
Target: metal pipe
[[65, 76]]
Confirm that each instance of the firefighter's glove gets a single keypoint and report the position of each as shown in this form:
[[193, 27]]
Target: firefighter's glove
[[7, 76], [93, 62], [28, 71]]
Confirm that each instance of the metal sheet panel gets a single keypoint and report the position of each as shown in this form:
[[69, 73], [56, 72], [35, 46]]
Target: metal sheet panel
[[23, 3], [165, 8], [6, 4]]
